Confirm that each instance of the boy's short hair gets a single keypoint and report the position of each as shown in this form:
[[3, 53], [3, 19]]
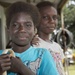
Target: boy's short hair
[[43, 4], [22, 7]]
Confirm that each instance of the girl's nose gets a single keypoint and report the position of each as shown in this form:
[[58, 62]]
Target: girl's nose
[[51, 19]]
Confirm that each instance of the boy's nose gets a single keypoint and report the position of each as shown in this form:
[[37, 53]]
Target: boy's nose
[[22, 28]]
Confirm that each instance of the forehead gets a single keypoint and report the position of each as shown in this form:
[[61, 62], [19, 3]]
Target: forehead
[[21, 16], [48, 10]]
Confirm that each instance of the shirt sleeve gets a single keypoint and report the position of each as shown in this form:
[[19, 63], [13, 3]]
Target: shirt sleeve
[[47, 66]]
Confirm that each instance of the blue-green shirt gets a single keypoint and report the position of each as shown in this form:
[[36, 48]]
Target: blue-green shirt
[[39, 60]]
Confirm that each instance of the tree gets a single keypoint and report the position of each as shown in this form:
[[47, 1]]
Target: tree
[[69, 17]]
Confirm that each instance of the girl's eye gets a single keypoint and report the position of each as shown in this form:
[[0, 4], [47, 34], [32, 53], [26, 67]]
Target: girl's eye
[[55, 17], [45, 17]]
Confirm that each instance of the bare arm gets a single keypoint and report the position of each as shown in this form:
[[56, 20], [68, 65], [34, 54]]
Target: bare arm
[[19, 67]]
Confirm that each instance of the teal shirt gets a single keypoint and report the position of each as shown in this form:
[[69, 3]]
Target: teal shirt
[[39, 60]]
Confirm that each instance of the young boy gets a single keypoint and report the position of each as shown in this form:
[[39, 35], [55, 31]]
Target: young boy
[[21, 20]]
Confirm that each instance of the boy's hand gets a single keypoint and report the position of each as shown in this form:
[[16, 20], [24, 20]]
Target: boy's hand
[[16, 64], [5, 63], [18, 67]]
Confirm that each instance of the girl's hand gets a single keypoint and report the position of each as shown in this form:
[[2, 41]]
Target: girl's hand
[[35, 40]]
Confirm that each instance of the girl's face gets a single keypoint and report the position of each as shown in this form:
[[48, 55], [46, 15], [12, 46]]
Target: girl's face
[[48, 19]]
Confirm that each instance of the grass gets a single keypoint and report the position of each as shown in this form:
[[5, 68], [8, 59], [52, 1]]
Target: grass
[[71, 69]]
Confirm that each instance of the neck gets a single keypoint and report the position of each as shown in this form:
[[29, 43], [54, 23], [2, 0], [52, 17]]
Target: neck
[[44, 36], [20, 49]]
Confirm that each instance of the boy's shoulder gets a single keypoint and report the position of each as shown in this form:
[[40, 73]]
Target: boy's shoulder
[[1, 52], [40, 49]]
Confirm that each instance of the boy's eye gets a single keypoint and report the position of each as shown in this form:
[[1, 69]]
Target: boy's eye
[[28, 24], [15, 25]]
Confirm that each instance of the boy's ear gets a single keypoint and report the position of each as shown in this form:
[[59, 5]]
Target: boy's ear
[[35, 30], [8, 30]]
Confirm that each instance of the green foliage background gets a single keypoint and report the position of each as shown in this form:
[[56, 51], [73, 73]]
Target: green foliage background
[[69, 17]]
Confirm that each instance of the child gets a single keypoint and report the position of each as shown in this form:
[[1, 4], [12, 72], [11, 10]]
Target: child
[[48, 23], [21, 20]]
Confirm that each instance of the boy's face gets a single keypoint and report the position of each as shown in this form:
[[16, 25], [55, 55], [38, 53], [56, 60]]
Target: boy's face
[[21, 29], [48, 19]]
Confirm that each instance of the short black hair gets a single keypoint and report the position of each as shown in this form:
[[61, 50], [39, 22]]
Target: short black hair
[[22, 7], [43, 4]]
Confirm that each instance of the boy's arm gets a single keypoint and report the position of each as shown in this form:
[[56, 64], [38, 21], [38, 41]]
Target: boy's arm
[[18, 67]]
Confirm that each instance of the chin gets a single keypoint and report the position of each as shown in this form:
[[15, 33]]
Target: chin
[[22, 45], [49, 32]]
